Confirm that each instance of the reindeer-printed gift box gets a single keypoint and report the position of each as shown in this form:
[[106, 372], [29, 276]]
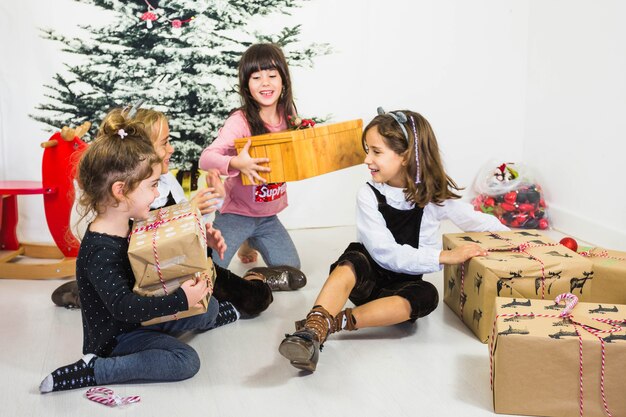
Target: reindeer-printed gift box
[[539, 358], [520, 264], [609, 274]]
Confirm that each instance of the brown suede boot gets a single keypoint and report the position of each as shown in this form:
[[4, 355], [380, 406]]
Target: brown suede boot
[[344, 320], [67, 295], [302, 348]]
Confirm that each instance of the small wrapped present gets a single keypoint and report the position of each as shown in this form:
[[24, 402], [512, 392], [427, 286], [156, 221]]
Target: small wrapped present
[[546, 361], [609, 271], [171, 243], [168, 287], [521, 264]]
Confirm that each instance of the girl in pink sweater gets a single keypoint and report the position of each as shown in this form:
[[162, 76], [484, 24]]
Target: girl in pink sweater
[[249, 213]]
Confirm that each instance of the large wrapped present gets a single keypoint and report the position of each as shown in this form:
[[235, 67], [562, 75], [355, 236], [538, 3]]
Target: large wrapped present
[[609, 275], [168, 287], [170, 243], [546, 364], [520, 264], [298, 154]]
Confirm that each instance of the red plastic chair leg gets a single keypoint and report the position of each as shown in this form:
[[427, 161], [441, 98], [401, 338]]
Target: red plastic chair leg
[[8, 224]]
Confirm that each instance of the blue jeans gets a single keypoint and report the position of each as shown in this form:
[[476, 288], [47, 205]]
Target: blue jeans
[[265, 234], [153, 353]]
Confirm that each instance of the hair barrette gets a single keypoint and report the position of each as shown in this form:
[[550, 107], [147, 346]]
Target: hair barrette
[[398, 117], [122, 133]]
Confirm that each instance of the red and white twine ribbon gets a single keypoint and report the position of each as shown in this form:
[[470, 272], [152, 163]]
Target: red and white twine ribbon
[[615, 327], [521, 248], [106, 396], [600, 254], [155, 227]]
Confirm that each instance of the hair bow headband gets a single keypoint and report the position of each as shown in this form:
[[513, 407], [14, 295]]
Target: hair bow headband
[[401, 118]]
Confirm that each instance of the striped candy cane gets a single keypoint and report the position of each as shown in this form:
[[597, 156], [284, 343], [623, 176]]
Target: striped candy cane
[[570, 301], [106, 396]]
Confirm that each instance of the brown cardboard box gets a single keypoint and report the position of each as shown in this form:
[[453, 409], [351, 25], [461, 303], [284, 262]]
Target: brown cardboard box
[[470, 290], [298, 154], [536, 362], [180, 244], [157, 290], [609, 275]]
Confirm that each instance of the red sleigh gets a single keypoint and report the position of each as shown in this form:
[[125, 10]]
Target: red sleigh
[[59, 159]]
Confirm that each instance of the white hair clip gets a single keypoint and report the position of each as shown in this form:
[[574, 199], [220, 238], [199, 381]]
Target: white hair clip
[[122, 133]]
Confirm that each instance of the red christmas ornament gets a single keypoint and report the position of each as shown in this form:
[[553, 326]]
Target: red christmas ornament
[[177, 23], [569, 243], [510, 197], [543, 224]]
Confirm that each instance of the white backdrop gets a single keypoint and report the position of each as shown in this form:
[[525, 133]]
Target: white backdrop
[[499, 79]]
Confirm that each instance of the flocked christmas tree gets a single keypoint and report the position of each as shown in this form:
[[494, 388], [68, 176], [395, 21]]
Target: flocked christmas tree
[[180, 56]]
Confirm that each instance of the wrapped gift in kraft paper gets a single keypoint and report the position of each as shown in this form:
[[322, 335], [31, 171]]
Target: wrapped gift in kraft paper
[[168, 287], [544, 363], [172, 238], [609, 272], [520, 264]]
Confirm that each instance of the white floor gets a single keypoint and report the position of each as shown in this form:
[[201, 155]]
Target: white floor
[[433, 368]]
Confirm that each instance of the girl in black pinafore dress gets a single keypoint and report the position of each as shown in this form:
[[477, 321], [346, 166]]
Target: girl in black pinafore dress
[[398, 216]]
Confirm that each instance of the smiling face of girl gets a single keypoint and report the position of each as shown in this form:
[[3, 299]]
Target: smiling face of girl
[[385, 165], [265, 87]]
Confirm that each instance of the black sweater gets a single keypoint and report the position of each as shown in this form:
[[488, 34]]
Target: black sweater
[[108, 305]]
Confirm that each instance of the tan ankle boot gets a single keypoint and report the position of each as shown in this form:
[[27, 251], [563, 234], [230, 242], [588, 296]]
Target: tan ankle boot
[[302, 347]]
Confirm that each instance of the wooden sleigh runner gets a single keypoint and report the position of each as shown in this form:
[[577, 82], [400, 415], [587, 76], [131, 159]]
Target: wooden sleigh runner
[[59, 159]]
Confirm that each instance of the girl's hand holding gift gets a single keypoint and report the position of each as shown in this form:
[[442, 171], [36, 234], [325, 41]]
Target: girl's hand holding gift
[[195, 290], [248, 166]]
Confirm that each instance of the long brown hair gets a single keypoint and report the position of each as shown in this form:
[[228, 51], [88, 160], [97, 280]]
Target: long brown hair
[[111, 158], [258, 57], [435, 185]]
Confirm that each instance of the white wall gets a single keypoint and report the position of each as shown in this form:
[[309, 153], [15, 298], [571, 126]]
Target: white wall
[[576, 127], [463, 65]]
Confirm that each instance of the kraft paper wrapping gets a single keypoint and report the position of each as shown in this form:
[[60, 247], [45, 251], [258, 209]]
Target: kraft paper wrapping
[[158, 290], [178, 233], [609, 270], [536, 360], [542, 270]]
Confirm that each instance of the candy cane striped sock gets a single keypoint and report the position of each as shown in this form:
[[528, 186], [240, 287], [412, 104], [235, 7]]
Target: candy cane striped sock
[[77, 375]]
